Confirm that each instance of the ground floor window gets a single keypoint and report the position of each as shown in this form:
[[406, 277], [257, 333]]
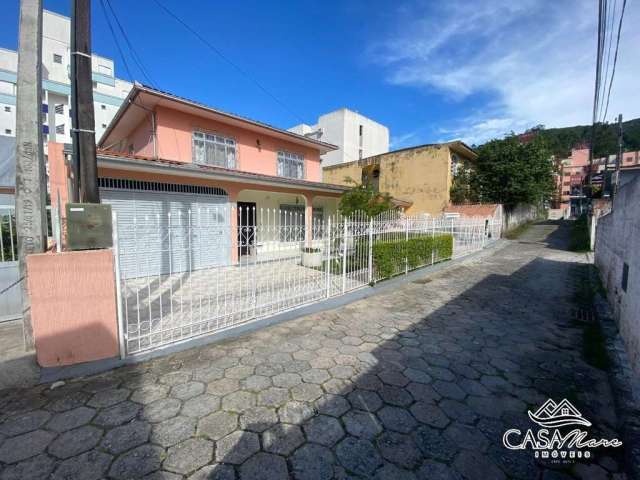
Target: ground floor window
[[318, 223], [292, 224]]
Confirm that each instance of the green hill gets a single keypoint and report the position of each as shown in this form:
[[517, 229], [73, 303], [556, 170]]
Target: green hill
[[561, 140]]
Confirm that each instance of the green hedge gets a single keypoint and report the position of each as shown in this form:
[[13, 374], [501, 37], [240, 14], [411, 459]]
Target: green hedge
[[389, 256]]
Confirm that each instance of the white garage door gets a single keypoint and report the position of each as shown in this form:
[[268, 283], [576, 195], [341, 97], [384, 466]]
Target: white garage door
[[168, 228]]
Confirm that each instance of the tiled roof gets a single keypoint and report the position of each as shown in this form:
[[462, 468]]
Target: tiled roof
[[232, 174], [477, 210]]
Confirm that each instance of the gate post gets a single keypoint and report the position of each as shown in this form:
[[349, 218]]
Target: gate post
[[328, 265], [344, 257], [370, 250], [433, 239], [116, 266], [406, 241]]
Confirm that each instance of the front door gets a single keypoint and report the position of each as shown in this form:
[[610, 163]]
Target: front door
[[246, 227]]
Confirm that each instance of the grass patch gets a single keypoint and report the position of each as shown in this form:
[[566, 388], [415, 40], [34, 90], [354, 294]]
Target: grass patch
[[514, 233], [579, 240]]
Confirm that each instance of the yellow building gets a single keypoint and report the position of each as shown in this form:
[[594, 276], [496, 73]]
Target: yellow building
[[421, 176]]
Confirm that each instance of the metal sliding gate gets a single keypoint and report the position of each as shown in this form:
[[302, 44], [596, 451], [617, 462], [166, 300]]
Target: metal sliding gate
[[266, 261]]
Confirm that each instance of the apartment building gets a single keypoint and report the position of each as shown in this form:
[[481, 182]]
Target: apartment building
[[356, 136], [108, 91]]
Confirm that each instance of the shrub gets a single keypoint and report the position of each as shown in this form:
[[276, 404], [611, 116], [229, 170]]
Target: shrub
[[389, 256]]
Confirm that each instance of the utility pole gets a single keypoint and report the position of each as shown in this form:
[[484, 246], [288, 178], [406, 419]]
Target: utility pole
[[596, 96], [83, 121], [31, 221], [618, 156]]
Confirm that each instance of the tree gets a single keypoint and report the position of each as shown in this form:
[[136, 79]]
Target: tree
[[510, 172], [363, 198], [461, 191]]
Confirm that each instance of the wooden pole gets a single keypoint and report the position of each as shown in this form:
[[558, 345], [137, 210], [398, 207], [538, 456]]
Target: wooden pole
[[82, 96], [31, 221]]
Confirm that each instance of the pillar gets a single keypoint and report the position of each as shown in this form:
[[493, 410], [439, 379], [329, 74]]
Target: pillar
[[233, 193], [308, 219]]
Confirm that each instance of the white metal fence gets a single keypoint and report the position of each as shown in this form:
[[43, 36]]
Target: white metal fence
[[272, 262], [10, 294]]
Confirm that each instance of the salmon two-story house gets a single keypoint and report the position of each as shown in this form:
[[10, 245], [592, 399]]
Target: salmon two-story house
[[164, 154]]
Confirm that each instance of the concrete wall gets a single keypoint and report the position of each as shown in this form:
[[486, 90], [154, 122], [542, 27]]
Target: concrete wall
[[73, 306], [515, 216], [420, 175], [618, 243]]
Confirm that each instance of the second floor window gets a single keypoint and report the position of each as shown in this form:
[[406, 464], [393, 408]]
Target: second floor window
[[209, 149], [290, 165]]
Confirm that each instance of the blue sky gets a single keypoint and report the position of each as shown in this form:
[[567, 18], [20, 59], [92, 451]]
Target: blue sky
[[430, 71]]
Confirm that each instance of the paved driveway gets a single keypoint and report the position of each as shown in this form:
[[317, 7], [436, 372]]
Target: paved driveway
[[421, 382]]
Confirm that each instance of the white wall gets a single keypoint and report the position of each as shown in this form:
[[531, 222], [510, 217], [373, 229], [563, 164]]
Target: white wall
[[618, 243]]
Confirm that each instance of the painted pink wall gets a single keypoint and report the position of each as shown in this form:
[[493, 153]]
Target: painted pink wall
[[141, 138], [174, 131], [73, 306]]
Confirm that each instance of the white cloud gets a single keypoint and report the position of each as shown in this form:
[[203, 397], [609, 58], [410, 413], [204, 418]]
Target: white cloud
[[401, 141], [534, 60]]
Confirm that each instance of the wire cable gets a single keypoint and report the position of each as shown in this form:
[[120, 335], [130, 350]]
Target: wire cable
[[115, 40], [615, 57], [228, 60], [134, 54], [610, 28]]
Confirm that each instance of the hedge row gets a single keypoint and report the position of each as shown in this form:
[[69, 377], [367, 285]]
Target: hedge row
[[389, 256]]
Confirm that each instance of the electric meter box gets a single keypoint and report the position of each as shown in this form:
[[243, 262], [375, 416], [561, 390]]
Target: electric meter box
[[88, 226]]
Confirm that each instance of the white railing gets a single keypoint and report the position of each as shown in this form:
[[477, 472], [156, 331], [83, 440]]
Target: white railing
[[8, 238], [212, 269], [10, 294]]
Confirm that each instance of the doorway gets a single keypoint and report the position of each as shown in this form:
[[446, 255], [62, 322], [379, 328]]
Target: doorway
[[246, 227]]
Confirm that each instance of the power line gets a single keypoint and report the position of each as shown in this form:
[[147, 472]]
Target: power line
[[611, 15], [134, 54], [602, 6], [228, 60], [115, 39], [615, 57]]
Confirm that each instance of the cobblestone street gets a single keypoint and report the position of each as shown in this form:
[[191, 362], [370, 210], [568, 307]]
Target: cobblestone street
[[417, 382]]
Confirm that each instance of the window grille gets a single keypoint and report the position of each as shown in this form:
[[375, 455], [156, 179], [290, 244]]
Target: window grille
[[290, 165], [210, 149], [128, 184]]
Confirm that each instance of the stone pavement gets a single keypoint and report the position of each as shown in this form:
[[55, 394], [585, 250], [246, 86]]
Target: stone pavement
[[419, 382]]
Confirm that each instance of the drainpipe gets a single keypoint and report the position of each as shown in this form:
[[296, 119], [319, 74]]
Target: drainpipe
[[154, 134]]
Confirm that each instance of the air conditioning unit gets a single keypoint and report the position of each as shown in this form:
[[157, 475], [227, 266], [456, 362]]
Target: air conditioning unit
[[88, 226]]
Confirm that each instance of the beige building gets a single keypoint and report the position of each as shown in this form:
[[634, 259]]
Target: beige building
[[421, 176]]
